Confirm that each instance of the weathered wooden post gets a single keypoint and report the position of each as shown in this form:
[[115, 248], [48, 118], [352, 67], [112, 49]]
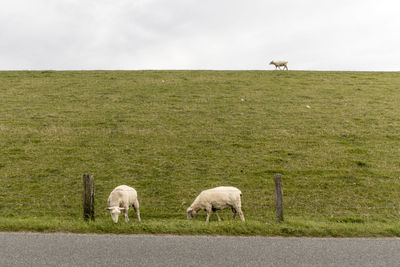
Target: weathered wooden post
[[279, 196], [88, 197]]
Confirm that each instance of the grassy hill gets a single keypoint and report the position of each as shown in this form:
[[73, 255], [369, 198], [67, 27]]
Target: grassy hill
[[334, 136]]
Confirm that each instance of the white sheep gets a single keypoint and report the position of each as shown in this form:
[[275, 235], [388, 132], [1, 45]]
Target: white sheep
[[217, 199], [279, 64], [121, 198]]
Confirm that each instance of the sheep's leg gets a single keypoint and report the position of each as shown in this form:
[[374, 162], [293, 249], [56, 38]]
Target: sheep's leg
[[208, 215], [136, 207], [234, 213], [126, 214], [216, 213], [239, 209]]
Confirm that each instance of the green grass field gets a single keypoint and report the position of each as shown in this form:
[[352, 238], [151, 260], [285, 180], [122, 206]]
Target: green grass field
[[172, 134]]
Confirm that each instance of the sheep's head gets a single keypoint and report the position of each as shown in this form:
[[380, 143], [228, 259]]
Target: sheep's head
[[191, 213], [271, 63], [115, 212]]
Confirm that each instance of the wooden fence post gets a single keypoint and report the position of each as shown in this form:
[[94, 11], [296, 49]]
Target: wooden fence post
[[279, 196], [88, 197]]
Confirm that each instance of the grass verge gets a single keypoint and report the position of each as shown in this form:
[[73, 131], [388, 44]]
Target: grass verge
[[291, 227]]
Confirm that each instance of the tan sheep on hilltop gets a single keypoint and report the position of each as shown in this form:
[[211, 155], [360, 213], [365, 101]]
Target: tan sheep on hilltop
[[279, 64]]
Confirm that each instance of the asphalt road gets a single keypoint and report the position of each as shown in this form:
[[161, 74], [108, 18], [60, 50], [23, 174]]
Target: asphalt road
[[27, 249]]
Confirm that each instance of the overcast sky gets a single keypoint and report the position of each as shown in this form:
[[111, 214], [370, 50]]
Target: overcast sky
[[199, 34]]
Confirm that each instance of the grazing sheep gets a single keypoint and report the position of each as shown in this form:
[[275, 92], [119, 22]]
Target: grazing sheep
[[121, 198], [279, 64], [217, 199]]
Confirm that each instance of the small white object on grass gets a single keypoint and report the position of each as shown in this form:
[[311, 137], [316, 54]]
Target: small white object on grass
[[307, 106]]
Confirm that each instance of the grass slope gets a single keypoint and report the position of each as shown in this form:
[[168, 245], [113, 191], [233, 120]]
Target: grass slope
[[171, 134]]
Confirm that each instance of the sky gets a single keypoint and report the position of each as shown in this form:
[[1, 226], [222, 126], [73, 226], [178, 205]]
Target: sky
[[351, 35]]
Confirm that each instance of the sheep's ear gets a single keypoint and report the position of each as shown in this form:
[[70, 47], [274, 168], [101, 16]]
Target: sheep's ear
[[108, 208], [121, 208]]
